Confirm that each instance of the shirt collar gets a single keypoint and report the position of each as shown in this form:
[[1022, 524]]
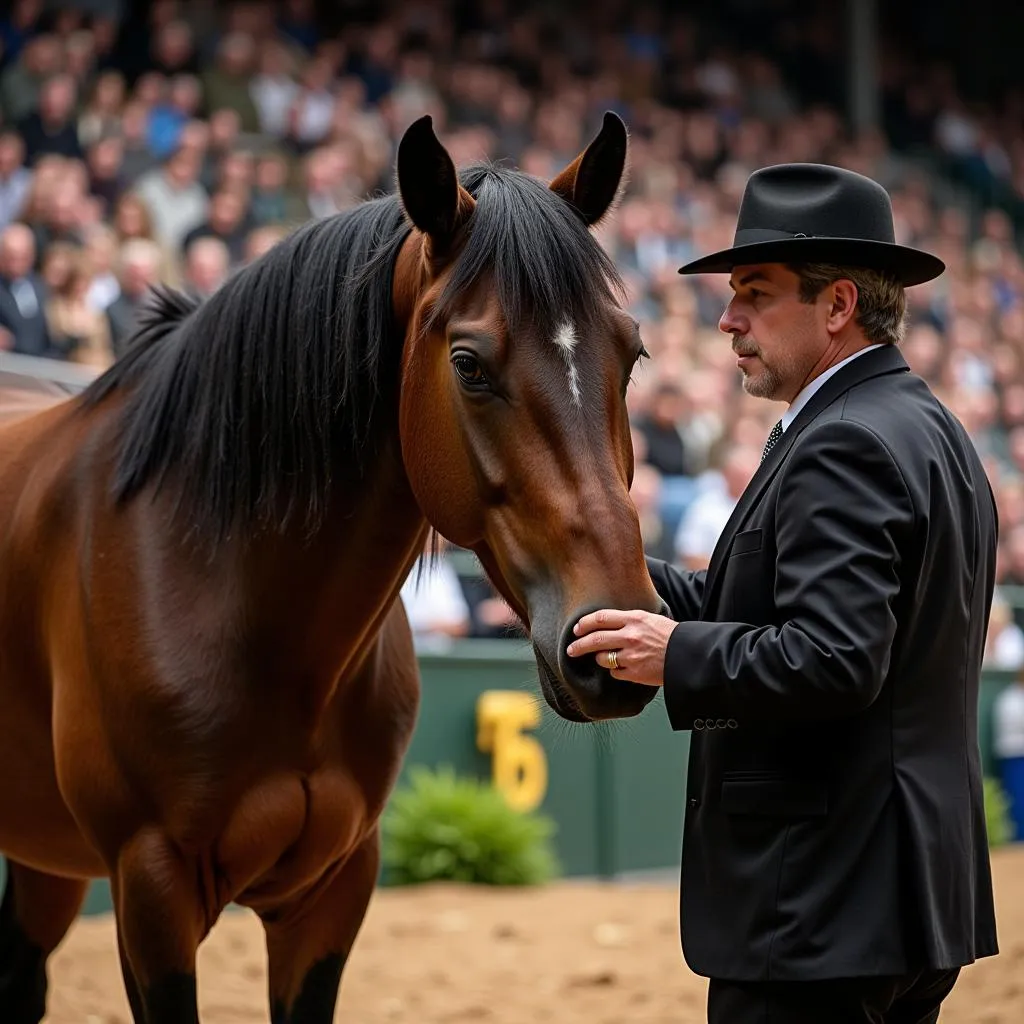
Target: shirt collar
[[809, 390]]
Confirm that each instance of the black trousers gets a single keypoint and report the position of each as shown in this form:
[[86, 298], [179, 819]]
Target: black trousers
[[914, 999]]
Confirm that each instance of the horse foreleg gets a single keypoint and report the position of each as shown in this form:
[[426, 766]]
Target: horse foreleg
[[161, 920], [35, 914], [309, 941]]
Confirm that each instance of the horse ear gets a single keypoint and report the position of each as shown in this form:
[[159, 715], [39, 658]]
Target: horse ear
[[591, 182], [431, 194]]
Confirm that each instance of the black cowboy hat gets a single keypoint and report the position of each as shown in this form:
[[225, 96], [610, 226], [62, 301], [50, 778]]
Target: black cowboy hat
[[813, 213]]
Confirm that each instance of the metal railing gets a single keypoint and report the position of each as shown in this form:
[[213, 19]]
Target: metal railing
[[53, 376]]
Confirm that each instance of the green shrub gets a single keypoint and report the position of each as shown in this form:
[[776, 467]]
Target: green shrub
[[444, 828], [997, 813]]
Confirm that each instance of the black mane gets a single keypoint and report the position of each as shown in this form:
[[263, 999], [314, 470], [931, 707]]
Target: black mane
[[244, 404]]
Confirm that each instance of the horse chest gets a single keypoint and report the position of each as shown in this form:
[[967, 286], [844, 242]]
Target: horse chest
[[285, 830]]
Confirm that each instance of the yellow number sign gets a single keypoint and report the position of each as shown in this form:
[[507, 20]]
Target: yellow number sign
[[520, 769]]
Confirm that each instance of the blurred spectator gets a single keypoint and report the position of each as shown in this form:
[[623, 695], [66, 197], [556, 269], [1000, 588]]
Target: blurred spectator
[[207, 263], [274, 89], [661, 428], [22, 80], [101, 247], [226, 220], [167, 118], [140, 263], [22, 294], [101, 116], [297, 22], [52, 128], [173, 50], [60, 213], [707, 514], [223, 128], [105, 164], [176, 201], [80, 59], [226, 85], [273, 202], [322, 192], [131, 219], [1004, 642], [136, 159], [18, 26], [261, 240], [312, 110], [235, 173], [15, 177], [433, 599], [76, 329]]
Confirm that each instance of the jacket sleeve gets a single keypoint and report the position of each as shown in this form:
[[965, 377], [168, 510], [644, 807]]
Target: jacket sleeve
[[681, 590], [843, 513]]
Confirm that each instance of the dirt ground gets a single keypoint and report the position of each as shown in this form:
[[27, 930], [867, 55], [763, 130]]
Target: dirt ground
[[575, 953]]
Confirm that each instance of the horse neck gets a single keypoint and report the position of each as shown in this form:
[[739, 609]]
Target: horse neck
[[340, 585], [371, 536], [316, 604]]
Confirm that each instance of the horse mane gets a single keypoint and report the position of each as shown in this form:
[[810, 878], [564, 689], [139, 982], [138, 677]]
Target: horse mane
[[246, 403]]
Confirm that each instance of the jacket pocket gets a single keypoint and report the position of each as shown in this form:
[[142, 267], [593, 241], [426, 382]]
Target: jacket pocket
[[745, 542], [773, 796]]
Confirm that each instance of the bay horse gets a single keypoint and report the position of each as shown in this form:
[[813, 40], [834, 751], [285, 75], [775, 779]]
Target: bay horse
[[207, 685]]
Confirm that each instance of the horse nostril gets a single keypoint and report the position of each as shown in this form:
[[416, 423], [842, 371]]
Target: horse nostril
[[583, 673]]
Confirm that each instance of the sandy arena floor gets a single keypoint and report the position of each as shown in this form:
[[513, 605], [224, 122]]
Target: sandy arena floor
[[572, 953]]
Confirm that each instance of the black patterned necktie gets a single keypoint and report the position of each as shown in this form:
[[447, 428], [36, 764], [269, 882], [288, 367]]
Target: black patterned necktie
[[773, 440]]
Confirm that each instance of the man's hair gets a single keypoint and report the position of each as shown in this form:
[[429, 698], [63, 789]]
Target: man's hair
[[881, 300]]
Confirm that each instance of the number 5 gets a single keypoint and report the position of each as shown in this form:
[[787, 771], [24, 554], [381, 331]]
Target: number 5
[[520, 769]]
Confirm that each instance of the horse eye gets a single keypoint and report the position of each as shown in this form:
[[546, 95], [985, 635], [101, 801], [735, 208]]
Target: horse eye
[[469, 371]]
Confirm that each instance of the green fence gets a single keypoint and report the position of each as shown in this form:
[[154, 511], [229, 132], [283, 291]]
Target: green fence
[[615, 790], [992, 684]]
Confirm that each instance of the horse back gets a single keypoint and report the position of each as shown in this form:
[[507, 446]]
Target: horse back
[[41, 440]]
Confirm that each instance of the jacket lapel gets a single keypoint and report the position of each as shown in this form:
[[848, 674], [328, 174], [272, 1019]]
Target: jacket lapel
[[871, 364]]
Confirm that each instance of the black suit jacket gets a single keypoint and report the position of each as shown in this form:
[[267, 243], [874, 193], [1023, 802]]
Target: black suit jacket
[[32, 333], [829, 662]]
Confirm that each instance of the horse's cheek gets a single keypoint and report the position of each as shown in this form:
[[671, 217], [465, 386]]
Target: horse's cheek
[[438, 463]]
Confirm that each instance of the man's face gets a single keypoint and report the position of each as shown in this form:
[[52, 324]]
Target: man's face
[[56, 99], [777, 338], [11, 154], [225, 212], [17, 252], [138, 275]]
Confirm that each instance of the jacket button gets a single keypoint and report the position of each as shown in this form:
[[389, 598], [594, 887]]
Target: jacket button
[[720, 723], [693, 802], [698, 724], [732, 723]]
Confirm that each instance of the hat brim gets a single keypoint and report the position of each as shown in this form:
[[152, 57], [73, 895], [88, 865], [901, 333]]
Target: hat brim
[[909, 266]]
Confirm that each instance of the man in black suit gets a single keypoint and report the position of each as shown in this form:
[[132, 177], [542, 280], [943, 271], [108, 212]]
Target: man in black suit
[[23, 296], [835, 858]]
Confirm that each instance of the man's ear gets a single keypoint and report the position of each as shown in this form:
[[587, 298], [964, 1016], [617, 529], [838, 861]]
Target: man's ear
[[591, 182], [843, 308]]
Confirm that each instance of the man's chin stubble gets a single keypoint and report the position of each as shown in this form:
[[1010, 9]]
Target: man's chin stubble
[[761, 386]]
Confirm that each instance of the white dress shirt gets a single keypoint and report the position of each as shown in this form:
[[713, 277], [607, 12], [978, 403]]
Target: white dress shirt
[[809, 390]]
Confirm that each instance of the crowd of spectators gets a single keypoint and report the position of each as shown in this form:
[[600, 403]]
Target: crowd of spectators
[[178, 143]]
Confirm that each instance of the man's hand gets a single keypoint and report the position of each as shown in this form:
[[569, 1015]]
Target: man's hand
[[638, 640]]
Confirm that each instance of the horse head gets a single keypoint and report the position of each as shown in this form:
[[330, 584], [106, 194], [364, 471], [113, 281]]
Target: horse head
[[512, 409]]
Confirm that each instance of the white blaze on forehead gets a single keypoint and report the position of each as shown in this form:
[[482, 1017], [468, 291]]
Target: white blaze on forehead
[[565, 339]]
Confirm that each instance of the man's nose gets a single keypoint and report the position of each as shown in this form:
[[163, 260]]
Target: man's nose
[[730, 322]]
